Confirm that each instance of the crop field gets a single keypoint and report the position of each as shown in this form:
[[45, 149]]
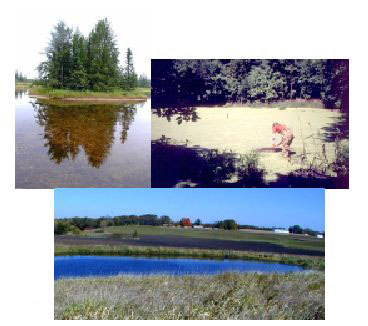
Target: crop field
[[243, 130], [226, 296], [285, 240]]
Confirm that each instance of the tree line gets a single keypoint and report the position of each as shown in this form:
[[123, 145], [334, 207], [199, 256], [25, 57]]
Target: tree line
[[76, 62], [19, 77], [188, 82], [77, 224]]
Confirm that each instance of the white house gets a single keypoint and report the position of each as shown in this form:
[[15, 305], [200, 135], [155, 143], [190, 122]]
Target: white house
[[197, 226], [319, 236], [281, 231]]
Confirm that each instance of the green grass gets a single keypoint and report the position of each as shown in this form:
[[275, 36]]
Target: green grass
[[65, 93], [308, 262], [225, 296], [286, 240]]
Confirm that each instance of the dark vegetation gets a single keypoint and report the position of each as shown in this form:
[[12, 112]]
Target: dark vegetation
[[175, 165], [183, 83], [76, 224], [76, 62]]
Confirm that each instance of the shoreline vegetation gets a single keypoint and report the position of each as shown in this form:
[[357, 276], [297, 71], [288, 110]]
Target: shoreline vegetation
[[137, 94], [225, 296], [22, 86], [307, 262]]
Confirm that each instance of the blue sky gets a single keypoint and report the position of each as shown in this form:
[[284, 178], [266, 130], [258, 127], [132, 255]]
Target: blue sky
[[261, 207]]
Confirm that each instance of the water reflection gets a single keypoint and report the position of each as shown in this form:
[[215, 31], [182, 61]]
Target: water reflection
[[19, 93], [68, 144], [67, 129]]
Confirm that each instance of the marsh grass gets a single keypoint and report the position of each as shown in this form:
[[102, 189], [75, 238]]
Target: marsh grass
[[225, 296], [64, 93], [308, 262]]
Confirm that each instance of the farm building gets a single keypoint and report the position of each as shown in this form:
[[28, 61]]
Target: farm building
[[283, 231], [319, 236], [185, 222], [197, 226]]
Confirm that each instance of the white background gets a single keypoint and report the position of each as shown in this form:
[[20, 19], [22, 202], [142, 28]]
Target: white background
[[199, 29]]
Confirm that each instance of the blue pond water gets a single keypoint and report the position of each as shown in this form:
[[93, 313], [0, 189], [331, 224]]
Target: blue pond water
[[82, 266]]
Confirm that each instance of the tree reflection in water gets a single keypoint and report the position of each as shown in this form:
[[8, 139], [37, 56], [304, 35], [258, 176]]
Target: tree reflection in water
[[67, 128]]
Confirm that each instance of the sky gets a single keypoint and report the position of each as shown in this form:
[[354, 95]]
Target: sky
[[130, 22], [260, 207]]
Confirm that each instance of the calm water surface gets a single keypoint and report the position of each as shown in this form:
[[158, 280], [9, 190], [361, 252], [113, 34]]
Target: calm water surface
[[84, 145], [81, 266]]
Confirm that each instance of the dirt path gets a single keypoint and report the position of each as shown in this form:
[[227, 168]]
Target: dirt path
[[186, 242]]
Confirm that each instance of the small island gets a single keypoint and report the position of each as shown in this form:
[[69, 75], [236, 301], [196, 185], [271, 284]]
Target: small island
[[85, 69]]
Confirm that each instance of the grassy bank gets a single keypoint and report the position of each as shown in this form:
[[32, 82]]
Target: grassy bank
[[137, 93], [225, 296], [286, 240], [308, 262], [22, 86]]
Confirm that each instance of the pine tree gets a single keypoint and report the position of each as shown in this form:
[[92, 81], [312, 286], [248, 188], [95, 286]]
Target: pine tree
[[78, 79], [130, 77], [102, 57], [58, 53]]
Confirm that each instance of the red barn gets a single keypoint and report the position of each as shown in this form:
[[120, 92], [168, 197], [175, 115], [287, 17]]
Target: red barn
[[185, 222]]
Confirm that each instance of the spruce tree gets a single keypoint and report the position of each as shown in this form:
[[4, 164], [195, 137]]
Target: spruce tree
[[130, 77]]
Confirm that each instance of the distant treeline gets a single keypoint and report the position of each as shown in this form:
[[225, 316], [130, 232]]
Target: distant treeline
[[77, 224], [19, 77], [177, 83], [87, 63]]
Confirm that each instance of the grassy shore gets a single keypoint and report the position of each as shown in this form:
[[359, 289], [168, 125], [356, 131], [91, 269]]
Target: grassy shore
[[137, 93], [22, 86], [308, 262], [225, 296], [286, 240]]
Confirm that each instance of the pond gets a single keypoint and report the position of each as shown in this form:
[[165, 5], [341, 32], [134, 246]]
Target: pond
[[81, 145], [82, 266], [231, 133]]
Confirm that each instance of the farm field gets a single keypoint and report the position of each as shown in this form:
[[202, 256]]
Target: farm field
[[206, 239], [226, 296], [243, 129]]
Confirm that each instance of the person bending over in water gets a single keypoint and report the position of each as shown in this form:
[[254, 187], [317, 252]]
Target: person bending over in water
[[286, 140]]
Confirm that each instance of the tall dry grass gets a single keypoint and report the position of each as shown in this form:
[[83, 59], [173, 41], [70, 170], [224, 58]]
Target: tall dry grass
[[225, 296]]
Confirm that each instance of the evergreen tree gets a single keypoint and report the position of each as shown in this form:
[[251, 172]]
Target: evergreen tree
[[79, 78], [143, 81], [59, 67], [129, 77], [102, 57]]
